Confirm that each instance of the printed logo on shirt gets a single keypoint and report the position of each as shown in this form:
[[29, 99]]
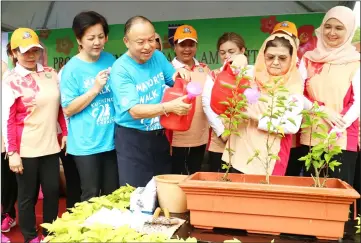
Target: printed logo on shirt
[[201, 70], [101, 113], [48, 75], [151, 124]]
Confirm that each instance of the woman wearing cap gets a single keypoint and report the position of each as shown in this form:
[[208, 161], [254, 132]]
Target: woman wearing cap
[[276, 58], [229, 46], [294, 166], [30, 114], [188, 147], [334, 82], [88, 104], [8, 184], [9, 189]]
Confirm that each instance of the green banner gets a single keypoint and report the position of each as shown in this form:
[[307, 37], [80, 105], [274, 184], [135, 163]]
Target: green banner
[[61, 44]]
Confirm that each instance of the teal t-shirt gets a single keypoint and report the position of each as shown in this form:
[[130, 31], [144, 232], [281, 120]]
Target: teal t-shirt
[[133, 83], [90, 131]]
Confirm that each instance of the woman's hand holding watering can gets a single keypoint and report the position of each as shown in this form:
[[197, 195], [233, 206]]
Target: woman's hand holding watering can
[[183, 73]]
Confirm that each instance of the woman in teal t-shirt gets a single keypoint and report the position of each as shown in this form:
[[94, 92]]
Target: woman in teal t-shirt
[[88, 103]]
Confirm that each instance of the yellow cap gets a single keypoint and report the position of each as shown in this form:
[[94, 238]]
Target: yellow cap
[[24, 39], [185, 32], [287, 28]]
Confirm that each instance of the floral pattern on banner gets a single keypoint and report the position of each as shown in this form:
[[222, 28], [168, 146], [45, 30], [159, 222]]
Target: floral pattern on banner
[[44, 34], [267, 24], [64, 45], [308, 42]]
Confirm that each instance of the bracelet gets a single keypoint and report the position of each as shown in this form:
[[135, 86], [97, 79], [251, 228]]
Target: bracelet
[[164, 111], [11, 153]]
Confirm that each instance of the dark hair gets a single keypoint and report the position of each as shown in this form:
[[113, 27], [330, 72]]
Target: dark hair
[[82, 21], [133, 20], [233, 37], [10, 54], [280, 41]]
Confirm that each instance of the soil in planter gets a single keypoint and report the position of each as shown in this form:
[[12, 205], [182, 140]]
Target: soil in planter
[[260, 179], [225, 179]]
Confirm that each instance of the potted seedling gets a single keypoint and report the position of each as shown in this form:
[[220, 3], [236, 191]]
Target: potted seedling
[[320, 157], [277, 106], [272, 204], [234, 114]]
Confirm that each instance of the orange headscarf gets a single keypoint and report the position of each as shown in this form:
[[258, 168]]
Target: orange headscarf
[[291, 80], [343, 54]]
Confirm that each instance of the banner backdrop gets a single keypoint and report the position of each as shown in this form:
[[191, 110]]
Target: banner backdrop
[[61, 44]]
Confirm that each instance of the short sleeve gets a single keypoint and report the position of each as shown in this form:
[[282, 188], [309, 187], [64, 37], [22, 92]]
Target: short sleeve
[[124, 90], [69, 88], [167, 67]]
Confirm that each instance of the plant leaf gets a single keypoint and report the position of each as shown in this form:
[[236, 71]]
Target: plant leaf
[[292, 121], [226, 133]]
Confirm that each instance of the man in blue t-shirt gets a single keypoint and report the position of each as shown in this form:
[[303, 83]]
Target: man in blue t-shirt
[[137, 80]]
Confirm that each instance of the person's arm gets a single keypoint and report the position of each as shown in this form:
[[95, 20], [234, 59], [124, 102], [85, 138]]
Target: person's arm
[[141, 111], [126, 97], [353, 112], [61, 117], [9, 109], [284, 122], [62, 122], [71, 99], [214, 120]]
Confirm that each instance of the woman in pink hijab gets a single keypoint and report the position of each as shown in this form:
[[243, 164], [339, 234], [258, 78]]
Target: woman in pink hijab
[[333, 70]]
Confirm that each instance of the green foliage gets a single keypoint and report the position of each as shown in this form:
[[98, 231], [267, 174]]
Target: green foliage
[[234, 116], [358, 225], [70, 227], [278, 105], [320, 156]]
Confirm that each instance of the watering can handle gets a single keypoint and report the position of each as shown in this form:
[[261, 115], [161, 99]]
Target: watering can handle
[[227, 67]]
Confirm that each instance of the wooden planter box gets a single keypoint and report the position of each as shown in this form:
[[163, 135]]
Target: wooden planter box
[[288, 205]]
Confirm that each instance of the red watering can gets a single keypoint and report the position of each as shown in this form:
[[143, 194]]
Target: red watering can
[[220, 93], [175, 122]]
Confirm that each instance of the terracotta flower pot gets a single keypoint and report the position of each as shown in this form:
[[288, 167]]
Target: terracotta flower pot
[[288, 205], [170, 195]]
